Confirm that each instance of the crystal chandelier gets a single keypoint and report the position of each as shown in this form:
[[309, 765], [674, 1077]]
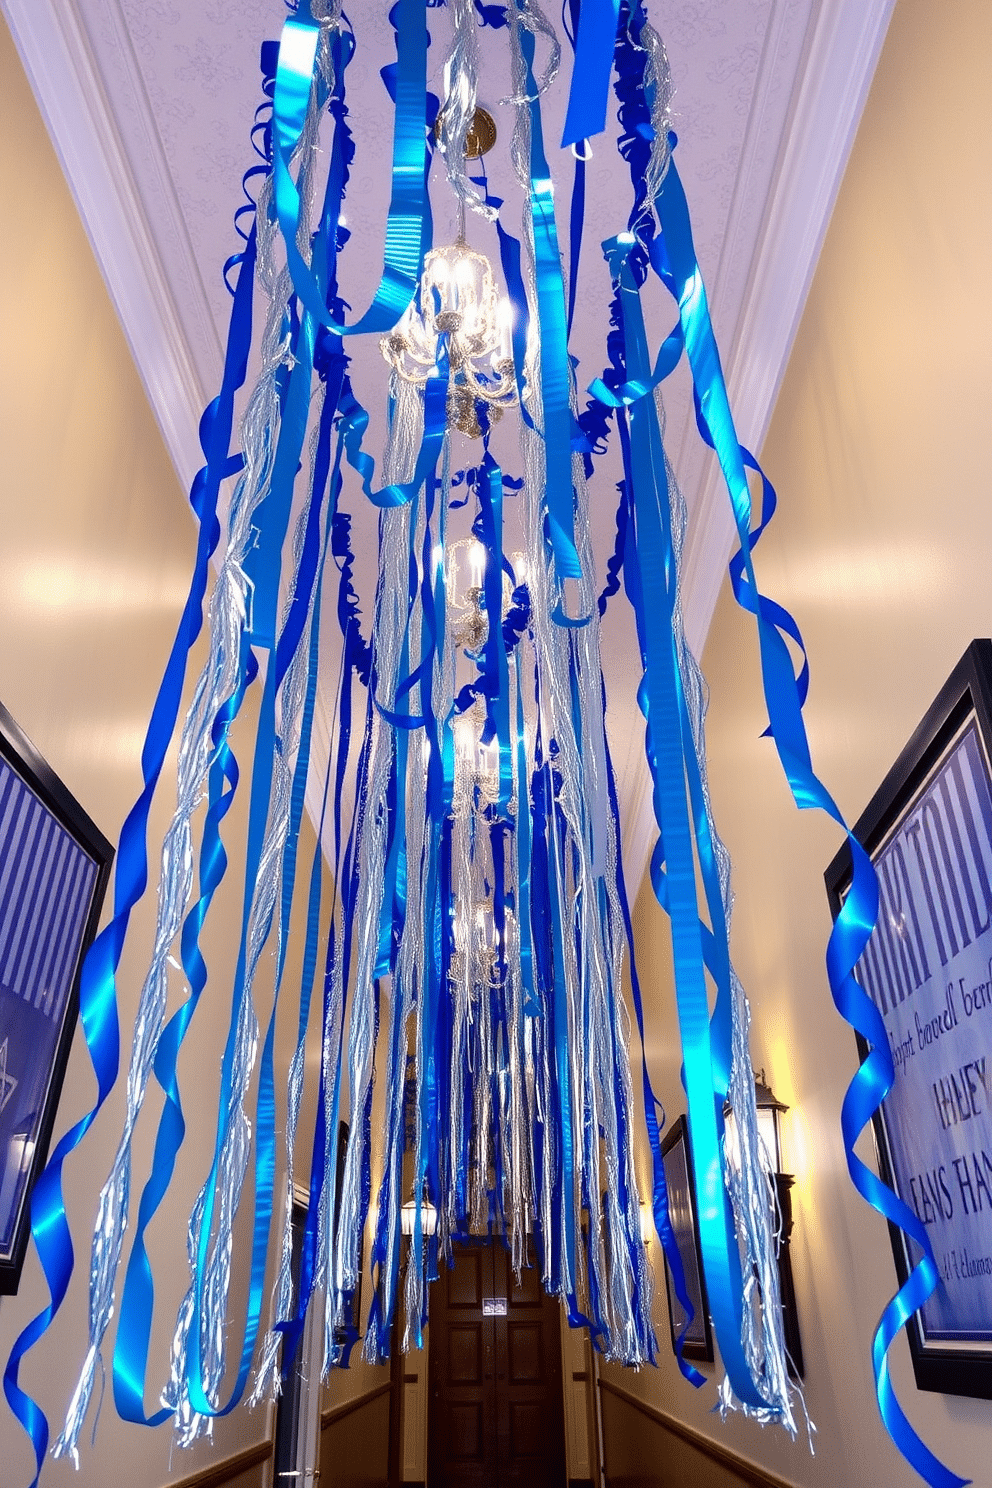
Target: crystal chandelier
[[482, 937], [458, 300]]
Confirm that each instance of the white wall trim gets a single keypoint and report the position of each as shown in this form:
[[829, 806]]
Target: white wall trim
[[846, 40], [60, 68]]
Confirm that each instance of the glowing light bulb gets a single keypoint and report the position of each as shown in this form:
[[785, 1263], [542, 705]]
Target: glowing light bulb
[[504, 324]]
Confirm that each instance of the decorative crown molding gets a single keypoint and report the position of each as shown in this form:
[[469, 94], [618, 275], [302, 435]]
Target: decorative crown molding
[[845, 44], [56, 56]]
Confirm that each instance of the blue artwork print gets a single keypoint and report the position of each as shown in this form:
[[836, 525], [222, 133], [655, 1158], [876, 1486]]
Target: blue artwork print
[[46, 888], [928, 968]]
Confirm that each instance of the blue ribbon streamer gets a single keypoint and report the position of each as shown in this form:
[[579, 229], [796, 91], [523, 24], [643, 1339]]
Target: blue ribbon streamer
[[706, 1049], [552, 317], [783, 697], [590, 86], [654, 1118], [137, 1297], [97, 992], [404, 250]]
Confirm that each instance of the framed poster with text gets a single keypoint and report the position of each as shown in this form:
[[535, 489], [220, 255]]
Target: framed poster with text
[[54, 866], [928, 969]]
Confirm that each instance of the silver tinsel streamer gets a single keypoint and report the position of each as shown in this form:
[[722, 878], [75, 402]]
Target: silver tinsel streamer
[[267, 1376], [564, 654], [502, 1067], [461, 80], [215, 687], [389, 628]]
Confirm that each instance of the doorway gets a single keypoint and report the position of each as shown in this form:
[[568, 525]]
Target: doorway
[[495, 1415]]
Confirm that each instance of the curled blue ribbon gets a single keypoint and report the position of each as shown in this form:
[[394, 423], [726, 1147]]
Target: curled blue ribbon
[[97, 990], [405, 246], [675, 260]]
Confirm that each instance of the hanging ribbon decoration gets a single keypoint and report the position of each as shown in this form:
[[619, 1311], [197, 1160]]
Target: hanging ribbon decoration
[[479, 911], [97, 994], [674, 258], [404, 253], [589, 93], [552, 319], [706, 1066]]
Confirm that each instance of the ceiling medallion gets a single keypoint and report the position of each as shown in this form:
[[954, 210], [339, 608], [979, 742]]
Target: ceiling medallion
[[480, 136]]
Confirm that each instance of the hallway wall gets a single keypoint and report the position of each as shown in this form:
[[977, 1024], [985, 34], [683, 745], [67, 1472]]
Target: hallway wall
[[96, 546], [881, 547]]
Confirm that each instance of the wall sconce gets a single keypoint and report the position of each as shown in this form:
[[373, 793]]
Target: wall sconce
[[770, 1111], [428, 1218], [647, 1223]]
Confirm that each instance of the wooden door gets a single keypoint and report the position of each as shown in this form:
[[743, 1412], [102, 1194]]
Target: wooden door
[[496, 1409]]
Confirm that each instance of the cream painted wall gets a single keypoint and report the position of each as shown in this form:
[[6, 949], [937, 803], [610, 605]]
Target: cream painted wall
[[96, 544], [882, 548]]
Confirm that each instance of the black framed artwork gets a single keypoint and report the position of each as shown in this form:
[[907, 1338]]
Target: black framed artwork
[[679, 1179], [928, 969], [54, 867]]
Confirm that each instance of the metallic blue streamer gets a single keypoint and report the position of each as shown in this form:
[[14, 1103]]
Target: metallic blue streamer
[[97, 993], [405, 244], [590, 87], [552, 319], [857, 918], [705, 1049]]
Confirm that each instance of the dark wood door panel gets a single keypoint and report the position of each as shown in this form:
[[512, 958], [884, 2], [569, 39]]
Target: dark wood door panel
[[525, 1353], [496, 1408], [462, 1402], [466, 1350], [528, 1433], [525, 1290], [466, 1432], [464, 1282]]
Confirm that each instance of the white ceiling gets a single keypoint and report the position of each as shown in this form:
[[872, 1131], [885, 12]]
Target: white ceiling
[[149, 103]]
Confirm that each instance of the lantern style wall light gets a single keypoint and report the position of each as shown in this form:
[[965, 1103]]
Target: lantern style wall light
[[408, 1218], [770, 1112]]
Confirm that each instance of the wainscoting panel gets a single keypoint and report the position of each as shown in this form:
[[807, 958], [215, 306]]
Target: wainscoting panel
[[645, 1448], [354, 1442], [247, 1469]]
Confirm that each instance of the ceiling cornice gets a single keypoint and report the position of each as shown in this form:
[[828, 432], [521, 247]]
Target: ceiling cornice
[[845, 42], [55, 52]]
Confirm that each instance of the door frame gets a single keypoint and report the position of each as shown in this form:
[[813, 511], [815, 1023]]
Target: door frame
[[481, 1242]]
